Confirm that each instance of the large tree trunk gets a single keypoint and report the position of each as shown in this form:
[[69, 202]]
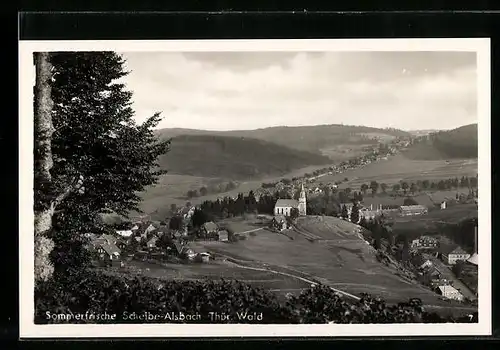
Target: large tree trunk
[[43, 130]]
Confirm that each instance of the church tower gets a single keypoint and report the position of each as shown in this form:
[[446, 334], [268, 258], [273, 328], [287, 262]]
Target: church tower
[[302, 202]]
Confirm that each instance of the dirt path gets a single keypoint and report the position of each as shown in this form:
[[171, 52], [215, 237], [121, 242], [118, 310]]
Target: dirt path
[[254, 230], [311, 282]]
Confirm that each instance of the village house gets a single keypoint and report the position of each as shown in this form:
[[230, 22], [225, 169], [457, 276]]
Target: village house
[[183, 249], [420, 262], [223, 236], [205, 257], [124, 233], [425, 242], [450, 254], [106, 249], [209, 228], [409, 210], [279, 222], [368, 214], [151, 244], [122, 243], [450, 292]]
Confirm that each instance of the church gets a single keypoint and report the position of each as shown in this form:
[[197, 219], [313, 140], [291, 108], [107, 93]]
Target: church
[[284, 207]]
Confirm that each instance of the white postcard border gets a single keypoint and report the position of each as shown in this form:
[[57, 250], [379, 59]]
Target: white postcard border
[[26, 276]]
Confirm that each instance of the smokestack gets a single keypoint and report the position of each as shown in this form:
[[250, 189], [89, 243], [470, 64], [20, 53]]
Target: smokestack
[[475, 239]]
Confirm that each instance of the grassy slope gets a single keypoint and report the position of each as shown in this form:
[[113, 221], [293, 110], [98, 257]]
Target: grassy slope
[[343, 261], [233, 158], [456, 143], [309, 138]]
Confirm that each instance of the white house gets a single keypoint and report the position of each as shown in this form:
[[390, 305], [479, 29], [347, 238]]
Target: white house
[[124, 233], [450, 293], [451, 254]]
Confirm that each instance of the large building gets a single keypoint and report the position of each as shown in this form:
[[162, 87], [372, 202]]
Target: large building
[[450, 254], [409, 210], [284, 206]]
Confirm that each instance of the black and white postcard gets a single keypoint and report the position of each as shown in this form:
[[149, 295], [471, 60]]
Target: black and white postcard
[[255, 188]]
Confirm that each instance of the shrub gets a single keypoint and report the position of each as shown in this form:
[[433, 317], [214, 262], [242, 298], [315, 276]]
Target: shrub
[[99, 293]]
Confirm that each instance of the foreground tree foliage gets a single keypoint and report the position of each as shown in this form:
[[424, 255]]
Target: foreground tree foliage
[[97, 293], [90, 155]]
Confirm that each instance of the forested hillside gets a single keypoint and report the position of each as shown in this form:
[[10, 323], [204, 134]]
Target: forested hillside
[[456, 143], [233, 157], [309, 138]]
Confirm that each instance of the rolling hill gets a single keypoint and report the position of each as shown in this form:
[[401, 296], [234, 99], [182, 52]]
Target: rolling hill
[[458, 143], [235, 158], [336, 256], [314, 138]]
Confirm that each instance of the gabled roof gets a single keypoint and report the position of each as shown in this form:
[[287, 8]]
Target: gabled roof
[[473, 259], [286, 203], [124, 233], [179, 247], [210, 226], [447, 289], [111, 249]]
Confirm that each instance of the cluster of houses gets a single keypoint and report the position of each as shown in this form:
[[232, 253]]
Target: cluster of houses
[[144, 239], [450, 254], [374, 155]]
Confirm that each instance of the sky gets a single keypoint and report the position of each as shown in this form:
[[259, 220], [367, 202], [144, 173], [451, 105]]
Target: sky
[[251, 90]]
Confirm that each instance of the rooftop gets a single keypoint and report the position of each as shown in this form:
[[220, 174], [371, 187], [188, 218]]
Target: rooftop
[[210, 226], [413, 207], [447, 289], [287, 203]]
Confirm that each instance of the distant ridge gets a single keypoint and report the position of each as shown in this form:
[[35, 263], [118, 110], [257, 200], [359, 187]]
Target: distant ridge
[[308, 138], [233, 157], [456, 143]]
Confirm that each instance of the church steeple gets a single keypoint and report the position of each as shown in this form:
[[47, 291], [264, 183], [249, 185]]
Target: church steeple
[[302, 201]]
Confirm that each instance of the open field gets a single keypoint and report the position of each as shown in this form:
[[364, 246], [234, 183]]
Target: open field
[[217, 270], [343, 152], [398, 167], [432, 220], [172, 188], [426, 198], [339, 259]]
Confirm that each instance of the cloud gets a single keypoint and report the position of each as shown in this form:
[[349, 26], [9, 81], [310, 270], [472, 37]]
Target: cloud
[[248, 90]]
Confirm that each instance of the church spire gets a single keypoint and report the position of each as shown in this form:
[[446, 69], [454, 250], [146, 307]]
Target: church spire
[[302, 200]]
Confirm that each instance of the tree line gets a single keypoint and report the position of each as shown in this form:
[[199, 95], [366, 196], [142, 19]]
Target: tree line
[[209, 189], [422, 185]]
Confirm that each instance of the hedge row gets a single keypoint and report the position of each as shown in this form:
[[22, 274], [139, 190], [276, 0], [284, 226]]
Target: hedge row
[[97, 294]]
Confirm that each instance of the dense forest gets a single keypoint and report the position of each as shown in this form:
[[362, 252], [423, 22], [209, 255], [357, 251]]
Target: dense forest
[[233, 157]]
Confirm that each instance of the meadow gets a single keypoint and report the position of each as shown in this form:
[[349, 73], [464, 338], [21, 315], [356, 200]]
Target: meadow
[[340, 259], [400, 168]]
